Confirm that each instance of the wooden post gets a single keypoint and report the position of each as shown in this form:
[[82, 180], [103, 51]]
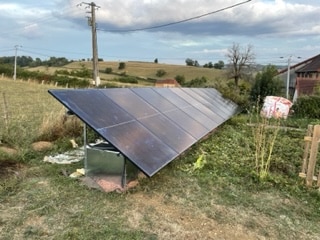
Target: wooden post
[[5, 111], [306, 149], [318, 183], [313, 155]]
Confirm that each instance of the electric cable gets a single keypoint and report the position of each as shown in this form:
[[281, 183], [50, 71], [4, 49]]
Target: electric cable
[[177, 22]]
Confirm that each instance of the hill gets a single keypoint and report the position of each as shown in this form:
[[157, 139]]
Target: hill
[[142, 70]]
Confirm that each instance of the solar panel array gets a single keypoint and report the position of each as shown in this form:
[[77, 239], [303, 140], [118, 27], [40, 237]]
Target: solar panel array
[[149, 126]]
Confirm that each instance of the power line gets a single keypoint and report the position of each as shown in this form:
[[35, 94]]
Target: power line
[[177, 22]]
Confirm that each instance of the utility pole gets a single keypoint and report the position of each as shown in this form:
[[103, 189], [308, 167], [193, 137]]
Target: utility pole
[[288, 76], [15, 62], [92, 22]]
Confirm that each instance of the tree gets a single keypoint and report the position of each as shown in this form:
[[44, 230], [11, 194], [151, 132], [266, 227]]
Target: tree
[[208, 65], [156, 60], [180, 79], [266, 84], [219, 65], [122, 65], [161, 73], [189, 62], [240, 60]]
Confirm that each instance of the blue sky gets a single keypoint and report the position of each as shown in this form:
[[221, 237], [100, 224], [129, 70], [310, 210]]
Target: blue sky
[[59, 28]]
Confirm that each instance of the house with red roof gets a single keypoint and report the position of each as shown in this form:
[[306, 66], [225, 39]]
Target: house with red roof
[[304, 77], [167, 83]]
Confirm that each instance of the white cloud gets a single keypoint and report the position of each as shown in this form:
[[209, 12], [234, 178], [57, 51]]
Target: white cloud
[[274, 27]]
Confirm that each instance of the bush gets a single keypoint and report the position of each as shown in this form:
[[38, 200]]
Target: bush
[[197, 82], [161, 73], [307, 107], [180, 79], [108, 70], [122, 65], [128, 80], [266, 84], [240, 97]]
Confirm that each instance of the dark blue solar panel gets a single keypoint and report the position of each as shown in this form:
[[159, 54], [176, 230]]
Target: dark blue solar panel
[[130, 102], [169, 132], [212, 103], [150, 126], [141, 146], [92, 106], [154, 99]]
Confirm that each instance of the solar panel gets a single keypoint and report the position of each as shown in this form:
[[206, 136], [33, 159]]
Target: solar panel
[[149, 126]]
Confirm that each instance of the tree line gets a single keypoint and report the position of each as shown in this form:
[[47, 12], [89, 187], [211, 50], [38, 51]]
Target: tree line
[[27, 61], [195, 63]]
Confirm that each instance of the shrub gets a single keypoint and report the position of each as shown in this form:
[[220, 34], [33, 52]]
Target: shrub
[[108, 70], [128, 80], [266, 84], [161, 73], [122, 65], [307, 107], [240, 97], [180, 79], [197, 82]]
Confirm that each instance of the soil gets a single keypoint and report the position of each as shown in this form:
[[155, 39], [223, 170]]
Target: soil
[[9, 168], [175, 222]]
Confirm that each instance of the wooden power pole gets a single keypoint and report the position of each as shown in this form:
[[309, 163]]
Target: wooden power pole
[[92, 22]]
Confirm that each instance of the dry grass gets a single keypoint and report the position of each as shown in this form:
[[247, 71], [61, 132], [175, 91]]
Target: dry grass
[[145, 70], [57, 125], [23, 108]]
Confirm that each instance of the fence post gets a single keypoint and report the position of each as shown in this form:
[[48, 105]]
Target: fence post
[[5, 111], [313, 155], [307, 139]]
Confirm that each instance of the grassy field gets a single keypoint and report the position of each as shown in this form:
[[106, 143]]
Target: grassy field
[[23, 108], [143, 70], [223, 200]]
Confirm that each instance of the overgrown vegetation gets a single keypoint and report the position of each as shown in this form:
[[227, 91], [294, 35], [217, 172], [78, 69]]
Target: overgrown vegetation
[[307, 106], [266, 84], [241, 182]]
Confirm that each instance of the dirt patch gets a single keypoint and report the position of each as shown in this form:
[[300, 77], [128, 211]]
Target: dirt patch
[[170, 221], [9, 168]]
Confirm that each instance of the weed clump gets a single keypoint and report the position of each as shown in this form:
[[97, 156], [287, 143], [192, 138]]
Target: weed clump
[[56, 126], [265, 132]]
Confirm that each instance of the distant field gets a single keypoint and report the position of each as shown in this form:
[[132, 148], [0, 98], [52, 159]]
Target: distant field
[[145, 70]]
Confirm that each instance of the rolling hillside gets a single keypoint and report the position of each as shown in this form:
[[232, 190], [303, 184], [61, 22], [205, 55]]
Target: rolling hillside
[[143, 70]]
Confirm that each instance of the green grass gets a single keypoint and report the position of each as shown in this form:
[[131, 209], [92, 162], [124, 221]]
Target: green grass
[[222, 200]]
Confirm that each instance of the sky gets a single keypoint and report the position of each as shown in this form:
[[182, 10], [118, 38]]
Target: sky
[[168, 30]]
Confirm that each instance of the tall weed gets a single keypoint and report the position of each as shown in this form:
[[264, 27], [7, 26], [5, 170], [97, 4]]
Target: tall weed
[[265, 132]]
